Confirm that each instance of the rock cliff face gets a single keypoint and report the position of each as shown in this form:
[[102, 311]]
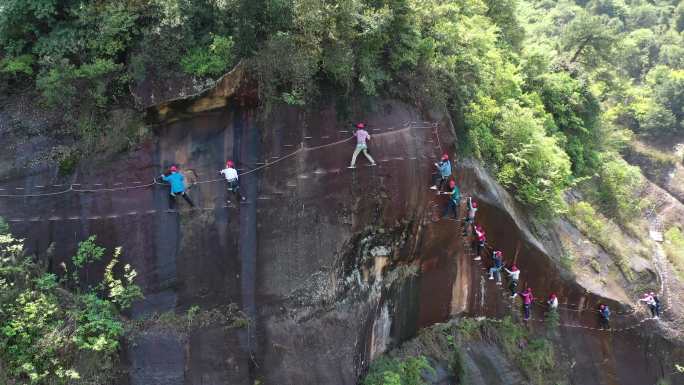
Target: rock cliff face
[[331, 266]]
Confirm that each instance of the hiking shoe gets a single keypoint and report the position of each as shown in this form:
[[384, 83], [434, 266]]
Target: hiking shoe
[[498, 283], [373, 164], [513, 296], [433, 187], [477, 258], [491, 278], [351, 166]]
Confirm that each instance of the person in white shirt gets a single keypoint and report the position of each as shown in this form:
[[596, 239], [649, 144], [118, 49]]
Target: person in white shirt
[[552, 302], [652, 303], [231, 175], [469, 221], [514, 275]]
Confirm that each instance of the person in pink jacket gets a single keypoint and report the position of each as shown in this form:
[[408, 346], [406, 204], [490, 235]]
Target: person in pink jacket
[[527, 298], [361, 136]]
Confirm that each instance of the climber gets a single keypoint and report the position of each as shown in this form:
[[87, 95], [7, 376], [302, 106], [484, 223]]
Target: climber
[[604, 316], [657, 305], [470, 216], [514, 275], [454, 201], [361, 136], [653, 304], [497, 259], [481, 241], [443, 174], [231, 175], [552, 302], [177, 182], [527, 298]]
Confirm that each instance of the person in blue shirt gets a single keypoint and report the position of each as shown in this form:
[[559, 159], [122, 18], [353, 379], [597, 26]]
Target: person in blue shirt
[[443, 173], [454, 199], [177, 186], [604, 316], [497, 262]]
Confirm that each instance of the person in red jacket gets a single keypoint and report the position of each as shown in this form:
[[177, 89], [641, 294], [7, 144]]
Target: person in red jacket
[[527, 298], [481, 241]]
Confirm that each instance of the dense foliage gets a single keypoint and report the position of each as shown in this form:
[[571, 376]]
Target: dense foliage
[[50, 334], [541, 90], [392, 371]]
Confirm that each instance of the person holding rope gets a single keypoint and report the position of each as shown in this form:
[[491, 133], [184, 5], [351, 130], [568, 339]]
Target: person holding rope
[[443, 173], [231, 175], [361, 136], [454, 201], [514, 275], [604, 316], [653, 304], [527, 299], [497, 259], [481, 241], [552, 302], [469, 220], [177, 186]]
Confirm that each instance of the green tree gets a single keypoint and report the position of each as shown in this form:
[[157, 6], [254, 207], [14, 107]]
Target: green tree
[[668, 87], [589, 38], [575, 112]]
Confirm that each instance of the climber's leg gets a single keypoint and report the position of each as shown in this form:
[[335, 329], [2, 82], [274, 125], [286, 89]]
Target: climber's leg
[[187, 199], [370, 158], [357, 150], [513, 286]]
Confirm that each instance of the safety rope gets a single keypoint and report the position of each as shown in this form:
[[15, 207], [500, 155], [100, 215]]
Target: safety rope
[[566, 307], [303, 148]]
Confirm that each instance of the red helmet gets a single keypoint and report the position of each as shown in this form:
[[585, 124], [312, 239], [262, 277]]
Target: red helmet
[[473, 204], [360, 125], [452, 183], [514, 267], [230, 164], [173, 168], [602, 306], [553, 295], [445, 156]]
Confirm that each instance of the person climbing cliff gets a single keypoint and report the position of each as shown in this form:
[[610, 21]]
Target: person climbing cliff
[[443, 173], [361, 136], [653, 304], [497, 263], [231, 175], [604, 316], [469, 220], [481, 241], [177, 186], [657, 305], [552, 302], [514, 275], [454, 200], [527, 299]]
